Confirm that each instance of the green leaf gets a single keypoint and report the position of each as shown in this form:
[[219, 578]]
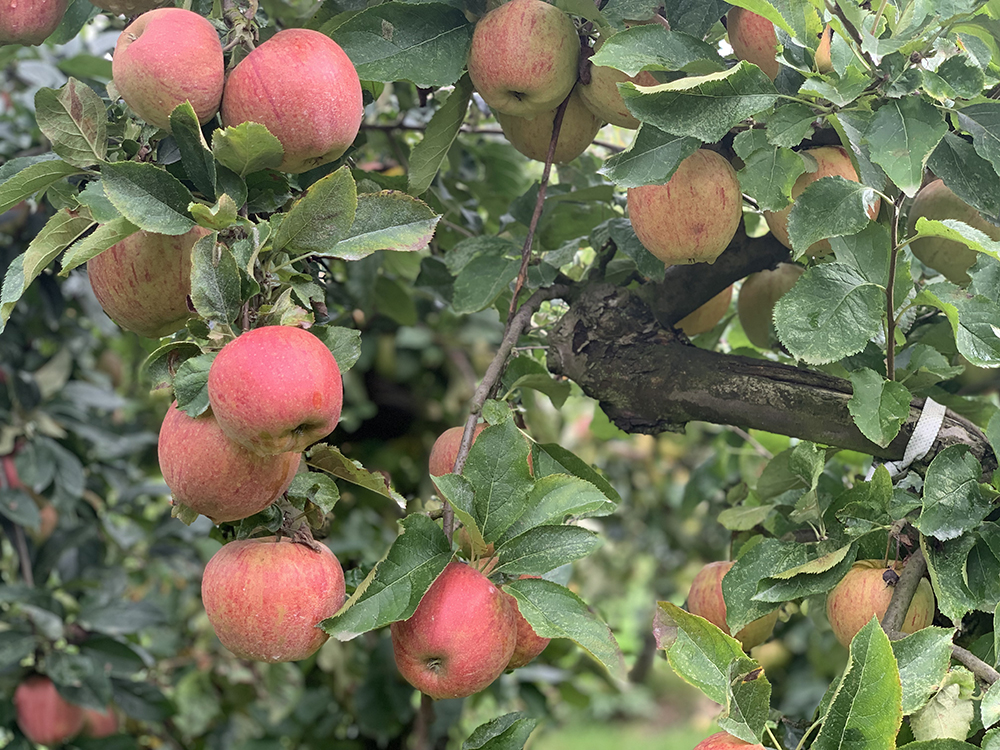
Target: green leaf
[[120, 617], [199, 164], [748, 701], [526, 372], [704, 107], [990, 707], [247, 148], [507, 732], [950, 713], [867, 252], [757, 561], [75, 120], [161, 366], [959, 231], [973, 321], [966, 173], [983, 121], [313, 487], [652, 47], [695, 17], [425, 44], [815, 576], [790, 125], [829, 314], [343, 343], [215, 280], [332, 461], [829, 207], [397, 583], [545, 548], [797, 18], [946, 563], [427, 156], [556, 612], [15, 645], [481, 281], [101, 208], [902, 135], [878, 406], [586, 10], [497, 468], [550, 458], [80, 678], [191, 384], [555, 497], [389, 220], [18, 506], [148, 196], [317, 221], [865, 710], [32, 178], [652, 158], [944, 744], [458, 492], [96, 243], [923, 660], [769, 172], [218, 217], [953, 503]]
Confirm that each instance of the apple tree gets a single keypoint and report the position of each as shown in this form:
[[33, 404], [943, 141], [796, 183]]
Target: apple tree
[[340, 193]]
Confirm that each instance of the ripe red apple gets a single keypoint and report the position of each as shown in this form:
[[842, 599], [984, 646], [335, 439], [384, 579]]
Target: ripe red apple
[[529, 644], [723, 740], [45, 716], [265, 597], [705, 600], [166, 57], [460, 638], [832, 161], [758, 295], [214, 476], [129, 8], [99, 724], [445, 449], [302, 87], [523, 58], [603, 98], [753, 39], [693, 217], [863, 593], [276, 389], [532, 136], [29, 21], [706, 317], [143, 282], [936, 201]]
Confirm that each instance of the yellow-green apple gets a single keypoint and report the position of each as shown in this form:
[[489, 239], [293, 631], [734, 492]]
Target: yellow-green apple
[[265, 597], [532, 136], [29, 21], [705, 600], [753, 39], [166, 57], [758, 295], [302, 87], [953, 259], [129, 8], [693, 217], [99, 724], [523, 59], [529, 644], [459, 639], [706, 317], [43, 715], [275, 389], [864, 593], [143, 282], [723, 741], [604, 99], [831, 161], [824, 63], [215, 476]]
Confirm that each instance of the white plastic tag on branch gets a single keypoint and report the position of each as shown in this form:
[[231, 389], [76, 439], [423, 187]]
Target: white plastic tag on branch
[[923, 437]]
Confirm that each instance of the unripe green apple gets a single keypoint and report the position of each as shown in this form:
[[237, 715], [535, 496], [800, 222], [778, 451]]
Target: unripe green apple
[[129, 8], [753, 39], [460, 638], [275, 389], [166, 57], [265, 597], [143, 282], [758, 295], [214, 476], [864, 593], [706, 317], [705, 600], [99, 724], [723, 741], [529, 643], [532, 136], [604, 99], [953, 259], [694, 216], [29, 21], [43, 715], [523, 58], [302, 87]]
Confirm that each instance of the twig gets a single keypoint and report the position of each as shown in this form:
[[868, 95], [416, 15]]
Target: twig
[[902, 594], [759, 449], [890, 334], [979, 668]]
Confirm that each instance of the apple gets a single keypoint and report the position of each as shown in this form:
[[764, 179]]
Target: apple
[[275, 389], [214, 476], [758, 295], [445, 449], [753, 39], [143, 282], [10, 472], [49, 520], [523, 58], [45, 716], [129, 8], [694, 216], [302, 87], [460, 638], [832, 161], [99, 724], [824, 63], [722, 740], [532, 136], [953, 259], [265, 597], [705, 600], [706, 317], [529, 644], [166, 57], [863, 593], [29, 21], [604, 99]]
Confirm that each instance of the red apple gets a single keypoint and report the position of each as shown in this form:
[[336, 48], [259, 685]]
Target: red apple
[[10, 472], [529, 643], [45, 716], [129, 8], [166, 57], [693, 217], [29, 21], [705, 600], [864, 593], [445, 449], [275, 389], [214, 476], [143, 282], [99, 724], [753, 39], [303, 88], [460, 638], [265, 597], [532, 136], [723, 740], [758, 295], [523, 58], [706, 317]]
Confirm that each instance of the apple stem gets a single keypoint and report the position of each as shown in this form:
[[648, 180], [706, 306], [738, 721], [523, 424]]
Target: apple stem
[[422, 725]]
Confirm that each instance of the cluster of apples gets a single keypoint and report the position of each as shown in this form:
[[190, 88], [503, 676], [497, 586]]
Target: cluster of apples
[[47, 718]]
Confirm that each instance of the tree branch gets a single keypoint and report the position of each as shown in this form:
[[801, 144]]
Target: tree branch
[[902, 594]]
